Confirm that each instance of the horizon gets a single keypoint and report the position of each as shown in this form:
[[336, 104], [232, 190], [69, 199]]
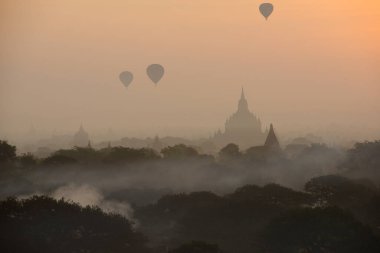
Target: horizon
[[330, 135]]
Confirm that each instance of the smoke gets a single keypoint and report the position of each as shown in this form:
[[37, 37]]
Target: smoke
[[86, 195]]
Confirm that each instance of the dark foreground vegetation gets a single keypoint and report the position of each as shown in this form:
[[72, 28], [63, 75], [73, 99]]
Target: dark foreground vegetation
[[335, 210], [42, 224], [335, 215]]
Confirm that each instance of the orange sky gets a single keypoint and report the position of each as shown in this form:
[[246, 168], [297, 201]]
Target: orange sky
[[314, 64]]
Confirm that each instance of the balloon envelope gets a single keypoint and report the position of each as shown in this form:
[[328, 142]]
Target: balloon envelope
[[126, 78], [266, 9], [155, 72]]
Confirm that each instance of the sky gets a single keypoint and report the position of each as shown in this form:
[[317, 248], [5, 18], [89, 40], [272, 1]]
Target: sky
[[314, 66]]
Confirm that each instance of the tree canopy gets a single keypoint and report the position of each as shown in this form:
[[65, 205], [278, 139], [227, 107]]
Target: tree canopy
[[42, 224], [7, 152], [318, 230]]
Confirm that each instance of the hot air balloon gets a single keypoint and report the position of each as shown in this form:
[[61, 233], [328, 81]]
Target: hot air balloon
[[266, 9], [126, 78], [155, 72]]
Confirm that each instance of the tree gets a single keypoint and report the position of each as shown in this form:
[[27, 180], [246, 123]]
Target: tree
[[84, 155], [319, 230], [197, 247], [229, 152], [42, 224], [27, 160], [338, 190], [179, 152], [128, 155], [271, 194], [360, 197], [58, 160], [364, 158], [7, 152], [231, 221]]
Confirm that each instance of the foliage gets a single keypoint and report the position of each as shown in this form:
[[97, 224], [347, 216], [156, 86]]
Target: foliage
[[42, 224], [318, 230], [230, 220], [123, 155], [364, 158], [229, 152], [7, 152], [27, 160], [90, 156], [360, 197], [242, 221], [179, 152], [197, 247], [80, 154], [58, 160]]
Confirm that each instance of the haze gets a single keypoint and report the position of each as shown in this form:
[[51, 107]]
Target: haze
[[312, 67]]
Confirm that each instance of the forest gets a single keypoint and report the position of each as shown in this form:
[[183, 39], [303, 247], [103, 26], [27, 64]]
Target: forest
[[118, 199]]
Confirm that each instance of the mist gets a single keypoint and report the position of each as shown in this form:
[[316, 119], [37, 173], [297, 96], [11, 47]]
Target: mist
[[144, 182]]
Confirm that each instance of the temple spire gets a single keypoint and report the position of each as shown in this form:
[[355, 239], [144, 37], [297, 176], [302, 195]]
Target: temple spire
[[242, 93], [243, 104], [272, 140]]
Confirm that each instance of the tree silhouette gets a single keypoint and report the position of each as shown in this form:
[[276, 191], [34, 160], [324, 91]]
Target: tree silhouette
[[229, 152], [58, 160], [319, 230], [360, 197], [42, 224], [27, 160], [84, 155], [364, 158], [128, 155], [197, 247], [179, 152], [230, 221], [7, 152]]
